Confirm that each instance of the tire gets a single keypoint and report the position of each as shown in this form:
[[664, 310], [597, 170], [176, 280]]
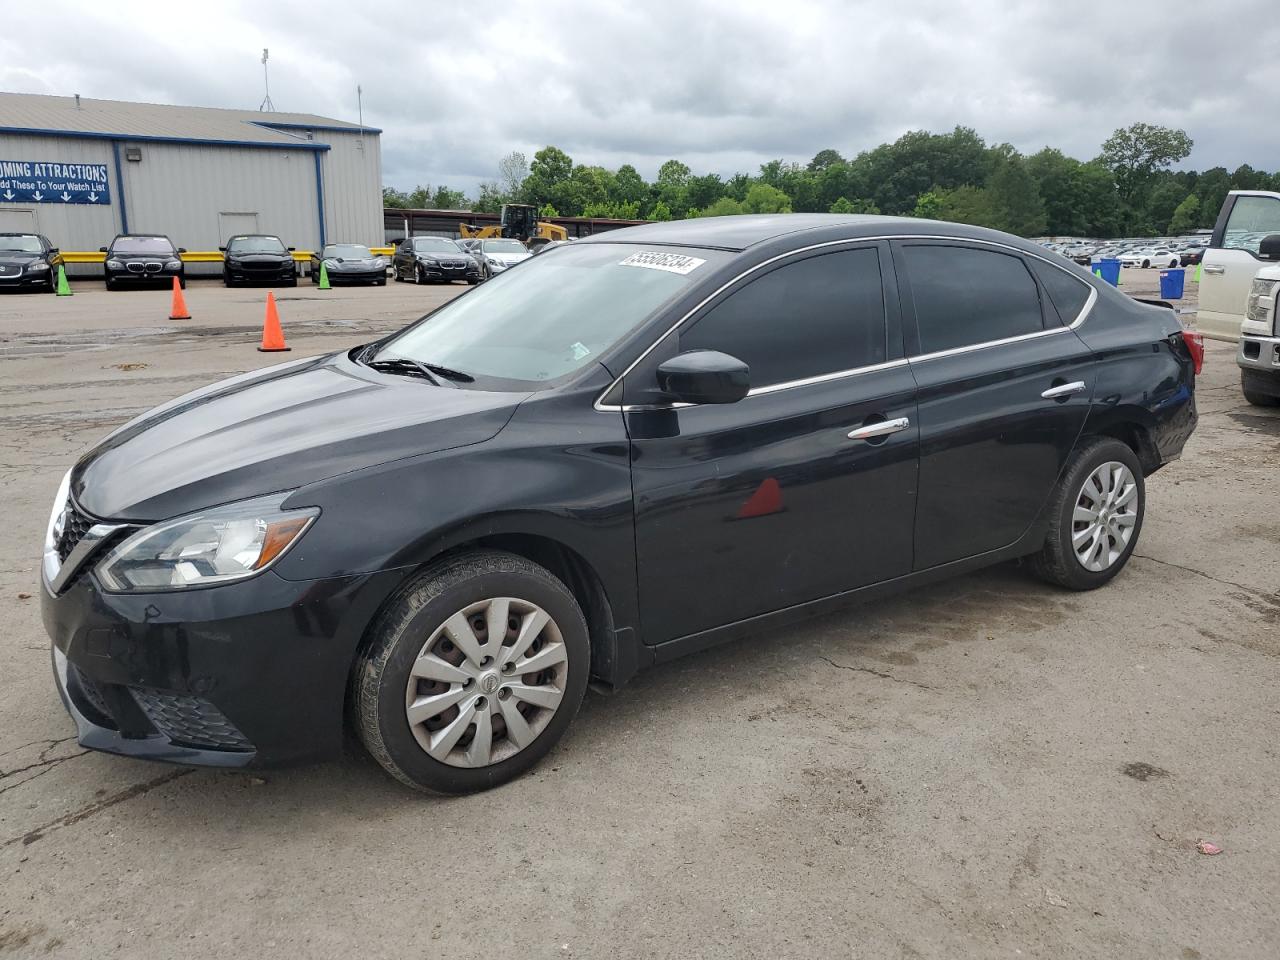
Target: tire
[[111, 285], [182, 283], [395, 274], [1253, 386], [291, 282], [1057, 562], [380, 283], [472, 283], [419, 275], [1146, 264], [414, 624]]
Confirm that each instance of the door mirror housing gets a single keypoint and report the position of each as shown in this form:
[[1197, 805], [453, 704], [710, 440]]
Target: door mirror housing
[[223, 249], [102, 249], [704, 376], [291, 249], [1269, 248], [182, 249], [53, 250]]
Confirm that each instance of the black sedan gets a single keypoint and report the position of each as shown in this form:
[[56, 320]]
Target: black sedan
[[433, 260], [142, 259], [28, 261], [348, 263], [634, 447], [258, 258]]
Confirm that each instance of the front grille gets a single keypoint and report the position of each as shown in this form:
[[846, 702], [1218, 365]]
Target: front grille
[[91, 691], [74, 526], [259, 265], [189, 721]]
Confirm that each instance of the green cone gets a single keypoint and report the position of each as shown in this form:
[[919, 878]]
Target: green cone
[[1198, 273], [64, 288], [324, 277]]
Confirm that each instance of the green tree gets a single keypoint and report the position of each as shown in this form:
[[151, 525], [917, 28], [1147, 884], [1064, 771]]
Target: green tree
[[1015, 199], [724, 207], [445, 199], [929, 205], [547, 210], [762, 198], [628, 186], [673, 173], [489, 199], [512, 169], [857, 205], [1162, 202], [824, 159], [549, 179], [1135, 154], [660, 211], [703, 191], [391, 197], [1211, 190], [969, 204], [1186, 216]]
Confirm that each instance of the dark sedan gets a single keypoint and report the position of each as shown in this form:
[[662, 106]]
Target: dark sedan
[[28, 261], [1191, 256], [142, 259], [633, 447], [258, 258], [433, 260], [348, 263]]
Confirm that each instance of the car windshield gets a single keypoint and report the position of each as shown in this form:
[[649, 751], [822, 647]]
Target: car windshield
[[141, 245], [24, 244], [255, 245], [434, 245], [554, 315], [503, 246], [346, 251]]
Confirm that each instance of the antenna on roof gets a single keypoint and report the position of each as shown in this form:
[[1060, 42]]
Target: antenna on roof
[[360, 114], [77, 101], [266, 103]]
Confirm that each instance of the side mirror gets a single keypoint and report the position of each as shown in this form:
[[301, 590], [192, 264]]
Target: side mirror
[[53, 250], [102, 249], [1269, 248], [223, 249], [182, 249], [291, 249], [704, 376]]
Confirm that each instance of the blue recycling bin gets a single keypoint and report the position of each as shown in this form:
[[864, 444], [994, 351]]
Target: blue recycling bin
[[1109, 268], [1171, 282]]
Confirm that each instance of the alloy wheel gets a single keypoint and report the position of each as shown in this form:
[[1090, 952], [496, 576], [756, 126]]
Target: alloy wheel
[[487, 682], [1105, 516]]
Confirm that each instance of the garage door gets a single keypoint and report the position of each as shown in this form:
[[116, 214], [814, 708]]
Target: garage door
[[17, 221], [232, 224]]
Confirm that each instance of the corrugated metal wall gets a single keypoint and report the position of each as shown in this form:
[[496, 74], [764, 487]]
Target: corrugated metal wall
[[181, 189], [71, 226], [352, 187]]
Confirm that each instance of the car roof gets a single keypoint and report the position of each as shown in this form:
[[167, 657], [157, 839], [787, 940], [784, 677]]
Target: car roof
[[247, 236], [738, 233]]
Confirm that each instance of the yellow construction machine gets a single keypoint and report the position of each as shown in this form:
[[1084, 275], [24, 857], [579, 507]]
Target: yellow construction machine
[[519, 221]]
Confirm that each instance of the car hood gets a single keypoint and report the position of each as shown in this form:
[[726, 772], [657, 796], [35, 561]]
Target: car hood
[[156, 257], [276, 429], [12, 257], [349, 264], [260, 257], [509, 258]]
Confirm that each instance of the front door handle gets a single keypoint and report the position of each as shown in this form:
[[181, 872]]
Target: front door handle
[[1213, 268], [881, 428], [1063, 390]]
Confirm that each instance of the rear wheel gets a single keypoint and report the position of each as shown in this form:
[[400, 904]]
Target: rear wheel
[[1146, 264], [473, 674], [1255, 387], [1095, 516]]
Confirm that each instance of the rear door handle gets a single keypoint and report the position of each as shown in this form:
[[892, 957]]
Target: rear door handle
[[881, 428], [1063, 390], [1213, 268]]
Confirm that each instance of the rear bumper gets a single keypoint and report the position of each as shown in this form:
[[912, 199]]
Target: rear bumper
[[249, 673], [1261, 354]]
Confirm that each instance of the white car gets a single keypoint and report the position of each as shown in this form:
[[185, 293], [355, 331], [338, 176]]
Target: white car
[[1155, 257], [496, 256]]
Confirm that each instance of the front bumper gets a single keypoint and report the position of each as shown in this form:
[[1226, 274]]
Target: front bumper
[[353, 276], [1259, 353], [447, 274], [27, 281], [156, 277], [238, 275], [254, 672]]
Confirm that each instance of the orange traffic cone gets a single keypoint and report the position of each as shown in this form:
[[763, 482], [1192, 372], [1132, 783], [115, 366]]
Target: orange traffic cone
[[272, 335], [178, 310]]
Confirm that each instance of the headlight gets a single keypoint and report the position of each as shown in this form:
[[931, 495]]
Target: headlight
[[40, 267], [330, 263], [54, 530], [115, 264], [213, 546], [172, 264], [428, 261], [379, 261], [1261, 301], [492, 262]]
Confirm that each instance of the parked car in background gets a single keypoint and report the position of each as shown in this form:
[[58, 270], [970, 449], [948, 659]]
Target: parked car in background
[[499, 255], [1190, 256], [593, 466], [142, 259], [258, 258], [433, 260], [348, 263], [28, 261], [468, 245], [1151, 257]]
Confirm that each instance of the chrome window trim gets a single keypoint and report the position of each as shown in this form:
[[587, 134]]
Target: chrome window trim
[[837, 375]]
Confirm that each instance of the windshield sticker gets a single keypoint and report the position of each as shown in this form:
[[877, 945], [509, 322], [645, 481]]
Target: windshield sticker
[[668, 262], [580, 350]]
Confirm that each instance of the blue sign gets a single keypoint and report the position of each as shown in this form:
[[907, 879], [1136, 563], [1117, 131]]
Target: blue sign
[[26, 181]]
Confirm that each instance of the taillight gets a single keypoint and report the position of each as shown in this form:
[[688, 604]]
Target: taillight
[[1195, 346]]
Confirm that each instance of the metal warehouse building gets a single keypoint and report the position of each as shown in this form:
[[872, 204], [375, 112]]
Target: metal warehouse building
[[80, 171]]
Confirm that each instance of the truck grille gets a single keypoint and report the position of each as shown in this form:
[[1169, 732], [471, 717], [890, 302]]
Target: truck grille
[[189, 721]]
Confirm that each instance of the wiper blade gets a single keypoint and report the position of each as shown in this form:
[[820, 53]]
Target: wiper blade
[[449, 372], [404, 365]]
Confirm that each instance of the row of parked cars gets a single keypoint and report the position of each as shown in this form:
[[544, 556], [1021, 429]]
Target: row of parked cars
[[30, 261], [1144, 253]]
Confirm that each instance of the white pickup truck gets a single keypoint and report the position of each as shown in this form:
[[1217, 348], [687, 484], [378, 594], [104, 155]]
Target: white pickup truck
[[1239, 283]]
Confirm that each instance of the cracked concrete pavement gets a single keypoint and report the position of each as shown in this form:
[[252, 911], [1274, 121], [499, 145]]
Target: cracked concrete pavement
[[985, 767]]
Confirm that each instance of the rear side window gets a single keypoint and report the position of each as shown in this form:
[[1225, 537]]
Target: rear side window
[[1069, 295], [965, 296], [1251, 219], [816, 316]]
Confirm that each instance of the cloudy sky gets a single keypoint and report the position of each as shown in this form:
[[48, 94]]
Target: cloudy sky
[[722, 84]]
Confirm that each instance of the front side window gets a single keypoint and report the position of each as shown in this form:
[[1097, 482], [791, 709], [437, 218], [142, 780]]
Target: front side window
[[1251, 219], [816, 316], [554, 315], [965, 296], [158, 245]]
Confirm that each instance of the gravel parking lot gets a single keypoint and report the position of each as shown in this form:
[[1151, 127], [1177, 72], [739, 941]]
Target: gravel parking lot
[[986, 767]]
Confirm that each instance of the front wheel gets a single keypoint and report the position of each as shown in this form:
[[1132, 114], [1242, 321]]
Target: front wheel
[[1095, 516], [473, 674], [1253, 386]]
